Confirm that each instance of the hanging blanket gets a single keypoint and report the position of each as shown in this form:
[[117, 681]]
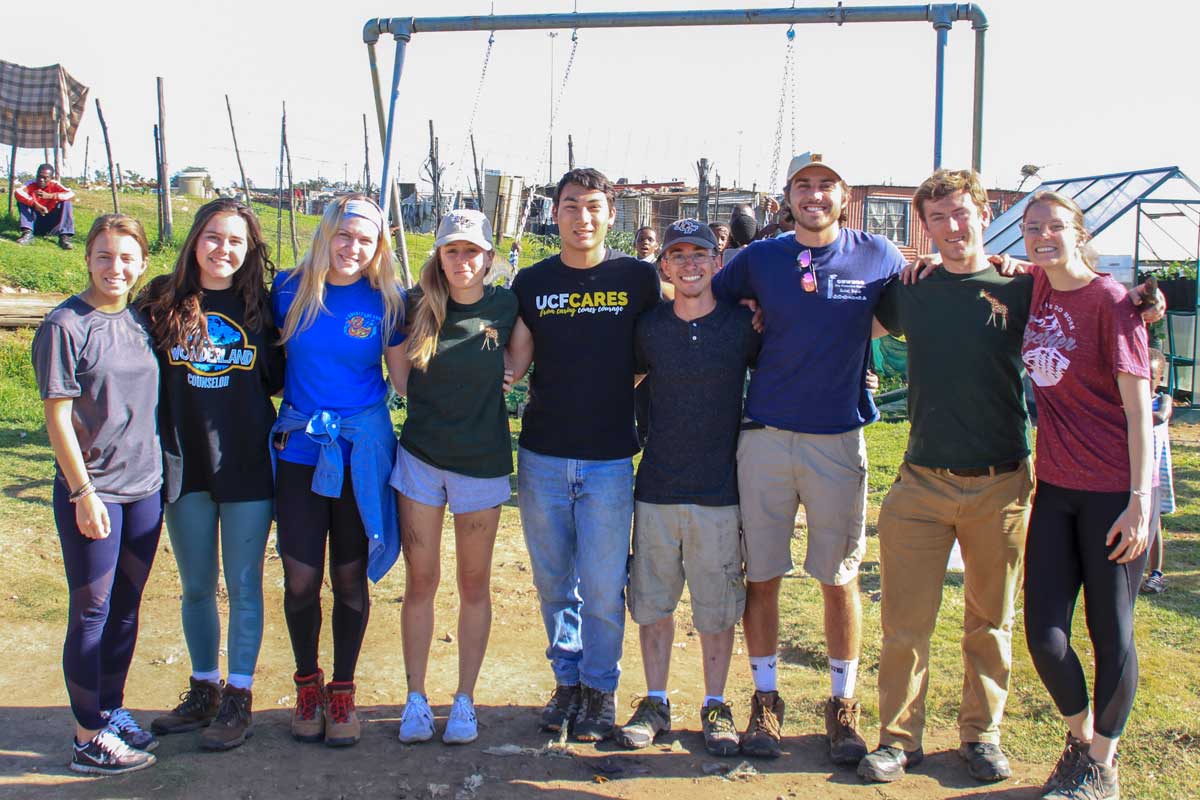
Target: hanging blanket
[[39, 103]]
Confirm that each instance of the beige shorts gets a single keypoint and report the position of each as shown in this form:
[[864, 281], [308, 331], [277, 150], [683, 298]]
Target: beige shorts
[[777, 471], [701, 544]]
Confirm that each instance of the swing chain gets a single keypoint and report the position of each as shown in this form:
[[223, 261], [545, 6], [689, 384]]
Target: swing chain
[[787, 92]]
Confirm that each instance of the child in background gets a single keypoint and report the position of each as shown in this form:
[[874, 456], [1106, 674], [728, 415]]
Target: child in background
[[1163, 499]]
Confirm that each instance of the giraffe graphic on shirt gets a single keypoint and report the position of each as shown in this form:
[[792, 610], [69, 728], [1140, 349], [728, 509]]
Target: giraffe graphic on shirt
[[999, 316], [491, 339]]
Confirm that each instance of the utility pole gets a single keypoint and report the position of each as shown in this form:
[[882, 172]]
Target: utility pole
[[107, 149], [478, 175], [435, 174], [702, 195], [87, 146], [570, 152], [366, 158], [717, 202]]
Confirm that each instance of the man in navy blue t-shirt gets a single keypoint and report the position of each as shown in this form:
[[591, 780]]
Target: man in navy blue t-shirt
[[802, 437]]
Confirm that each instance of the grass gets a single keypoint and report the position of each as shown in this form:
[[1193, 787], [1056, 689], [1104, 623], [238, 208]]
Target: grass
[[44, 267], [1161, 747]]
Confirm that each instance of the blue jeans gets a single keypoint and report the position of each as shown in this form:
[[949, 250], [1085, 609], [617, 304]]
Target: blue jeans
[[577, 517]]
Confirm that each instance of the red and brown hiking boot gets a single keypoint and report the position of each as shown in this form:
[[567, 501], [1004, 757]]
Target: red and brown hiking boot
[[342, 727], [764, 733], [197, 708], [308, 717]]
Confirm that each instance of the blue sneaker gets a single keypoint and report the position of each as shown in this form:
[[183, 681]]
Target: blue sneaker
[[416, 723]]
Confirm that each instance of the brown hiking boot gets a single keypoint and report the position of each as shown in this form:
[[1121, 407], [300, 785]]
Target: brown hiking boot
[[1075, 751], [765, 730], [197, 708], [342, 727], [846, 744], [308, 717], [231, 726]]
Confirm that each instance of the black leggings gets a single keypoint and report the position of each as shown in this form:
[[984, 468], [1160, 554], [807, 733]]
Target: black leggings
[[1065, 550], [305, 519]]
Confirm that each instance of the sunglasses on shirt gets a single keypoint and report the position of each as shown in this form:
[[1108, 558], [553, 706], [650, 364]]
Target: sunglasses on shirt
[[808, 272]]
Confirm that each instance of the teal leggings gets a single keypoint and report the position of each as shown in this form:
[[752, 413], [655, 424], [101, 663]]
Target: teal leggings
[[192, 523]]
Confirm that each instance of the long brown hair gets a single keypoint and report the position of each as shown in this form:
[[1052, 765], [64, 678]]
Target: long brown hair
[[430, 312], [172, 301], [310, 275]]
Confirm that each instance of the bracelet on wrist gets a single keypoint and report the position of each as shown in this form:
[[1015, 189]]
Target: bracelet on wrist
[[1140, 492], [83, 491]]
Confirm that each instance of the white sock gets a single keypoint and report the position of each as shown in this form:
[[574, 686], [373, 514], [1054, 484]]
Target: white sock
[[762, 669], [843, 675], [712, 698], [659, 696], [212, 676], [240, 681]]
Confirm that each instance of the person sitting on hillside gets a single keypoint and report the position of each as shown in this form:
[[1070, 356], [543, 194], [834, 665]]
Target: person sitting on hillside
[[46, 209]]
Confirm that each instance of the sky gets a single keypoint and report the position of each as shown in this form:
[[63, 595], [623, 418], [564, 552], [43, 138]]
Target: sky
[[1070, 88]]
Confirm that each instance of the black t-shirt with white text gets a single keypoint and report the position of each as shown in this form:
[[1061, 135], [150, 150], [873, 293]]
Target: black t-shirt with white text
[[582, 321], [216, 411]]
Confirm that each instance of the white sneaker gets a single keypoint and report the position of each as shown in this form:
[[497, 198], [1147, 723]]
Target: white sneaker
[[416, 723], [462, 727]]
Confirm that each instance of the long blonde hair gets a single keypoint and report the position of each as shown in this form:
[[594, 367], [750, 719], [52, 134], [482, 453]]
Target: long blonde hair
[[313, 269], [430, 312]]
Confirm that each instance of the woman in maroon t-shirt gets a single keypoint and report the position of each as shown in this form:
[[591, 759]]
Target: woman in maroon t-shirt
[[1085, 350]]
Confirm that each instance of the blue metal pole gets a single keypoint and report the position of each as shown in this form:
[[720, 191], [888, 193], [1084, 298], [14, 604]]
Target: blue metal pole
[[386, 190], [942, 29]]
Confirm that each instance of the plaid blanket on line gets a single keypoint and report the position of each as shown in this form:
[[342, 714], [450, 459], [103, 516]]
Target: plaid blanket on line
[[38, 102]]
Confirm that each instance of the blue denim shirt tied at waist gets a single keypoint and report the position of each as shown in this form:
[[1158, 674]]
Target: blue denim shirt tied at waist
[[372, 454]]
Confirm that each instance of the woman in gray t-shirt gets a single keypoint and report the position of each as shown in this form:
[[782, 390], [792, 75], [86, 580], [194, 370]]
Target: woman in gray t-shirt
[[98, 379]]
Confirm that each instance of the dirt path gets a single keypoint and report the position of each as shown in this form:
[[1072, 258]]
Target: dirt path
[[35, 723]]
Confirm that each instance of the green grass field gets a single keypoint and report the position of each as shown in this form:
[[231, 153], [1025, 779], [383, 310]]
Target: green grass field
[[1161, 747]]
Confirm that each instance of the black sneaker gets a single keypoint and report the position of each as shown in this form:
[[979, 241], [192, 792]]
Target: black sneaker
[[597, 715], [65, 243], [886, 764], [1090, 781], [106, 754], [720, 734], [986, 762], [561, 708], [1075, 751], [652, 717], [125, 726]]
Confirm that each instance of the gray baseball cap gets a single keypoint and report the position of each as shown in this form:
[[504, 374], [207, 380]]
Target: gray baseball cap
[[689, 231], [465, 225]]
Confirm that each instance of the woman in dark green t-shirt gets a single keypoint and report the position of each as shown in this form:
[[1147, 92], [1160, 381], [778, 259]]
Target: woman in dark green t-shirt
[[455, 450]]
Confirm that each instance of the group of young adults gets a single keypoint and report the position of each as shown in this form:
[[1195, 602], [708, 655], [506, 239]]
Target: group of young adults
[[184, 379]]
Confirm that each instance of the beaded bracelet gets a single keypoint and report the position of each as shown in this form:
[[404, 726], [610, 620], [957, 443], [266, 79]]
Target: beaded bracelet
[[83, 491]]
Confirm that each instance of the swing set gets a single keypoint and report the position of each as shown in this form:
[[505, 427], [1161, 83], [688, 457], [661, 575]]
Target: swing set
[[941, 16]]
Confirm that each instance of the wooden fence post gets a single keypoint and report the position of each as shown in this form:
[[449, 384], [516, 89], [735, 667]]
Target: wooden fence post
[[237, 152], [112, 183], [165, 187]]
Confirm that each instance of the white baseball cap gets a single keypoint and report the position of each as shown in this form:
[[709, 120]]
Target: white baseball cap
[[805, 160], [465, 225]]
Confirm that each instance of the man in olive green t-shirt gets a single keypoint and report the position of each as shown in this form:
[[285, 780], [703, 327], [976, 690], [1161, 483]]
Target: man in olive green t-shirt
[[966, 476]]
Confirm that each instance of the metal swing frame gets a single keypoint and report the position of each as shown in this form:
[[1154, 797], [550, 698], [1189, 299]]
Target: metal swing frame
[[942, 16]]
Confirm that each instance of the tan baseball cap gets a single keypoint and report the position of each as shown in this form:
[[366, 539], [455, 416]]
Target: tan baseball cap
[[805, 160]]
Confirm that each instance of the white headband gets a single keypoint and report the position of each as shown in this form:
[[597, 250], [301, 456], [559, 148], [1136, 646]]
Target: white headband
[[365, 209]]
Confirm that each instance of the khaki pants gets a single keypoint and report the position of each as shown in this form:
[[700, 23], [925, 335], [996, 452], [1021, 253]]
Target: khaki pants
[[924, 512]]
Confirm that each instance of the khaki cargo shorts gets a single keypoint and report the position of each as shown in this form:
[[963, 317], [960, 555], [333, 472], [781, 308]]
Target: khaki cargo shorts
[[699, 544], [777, 471]]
